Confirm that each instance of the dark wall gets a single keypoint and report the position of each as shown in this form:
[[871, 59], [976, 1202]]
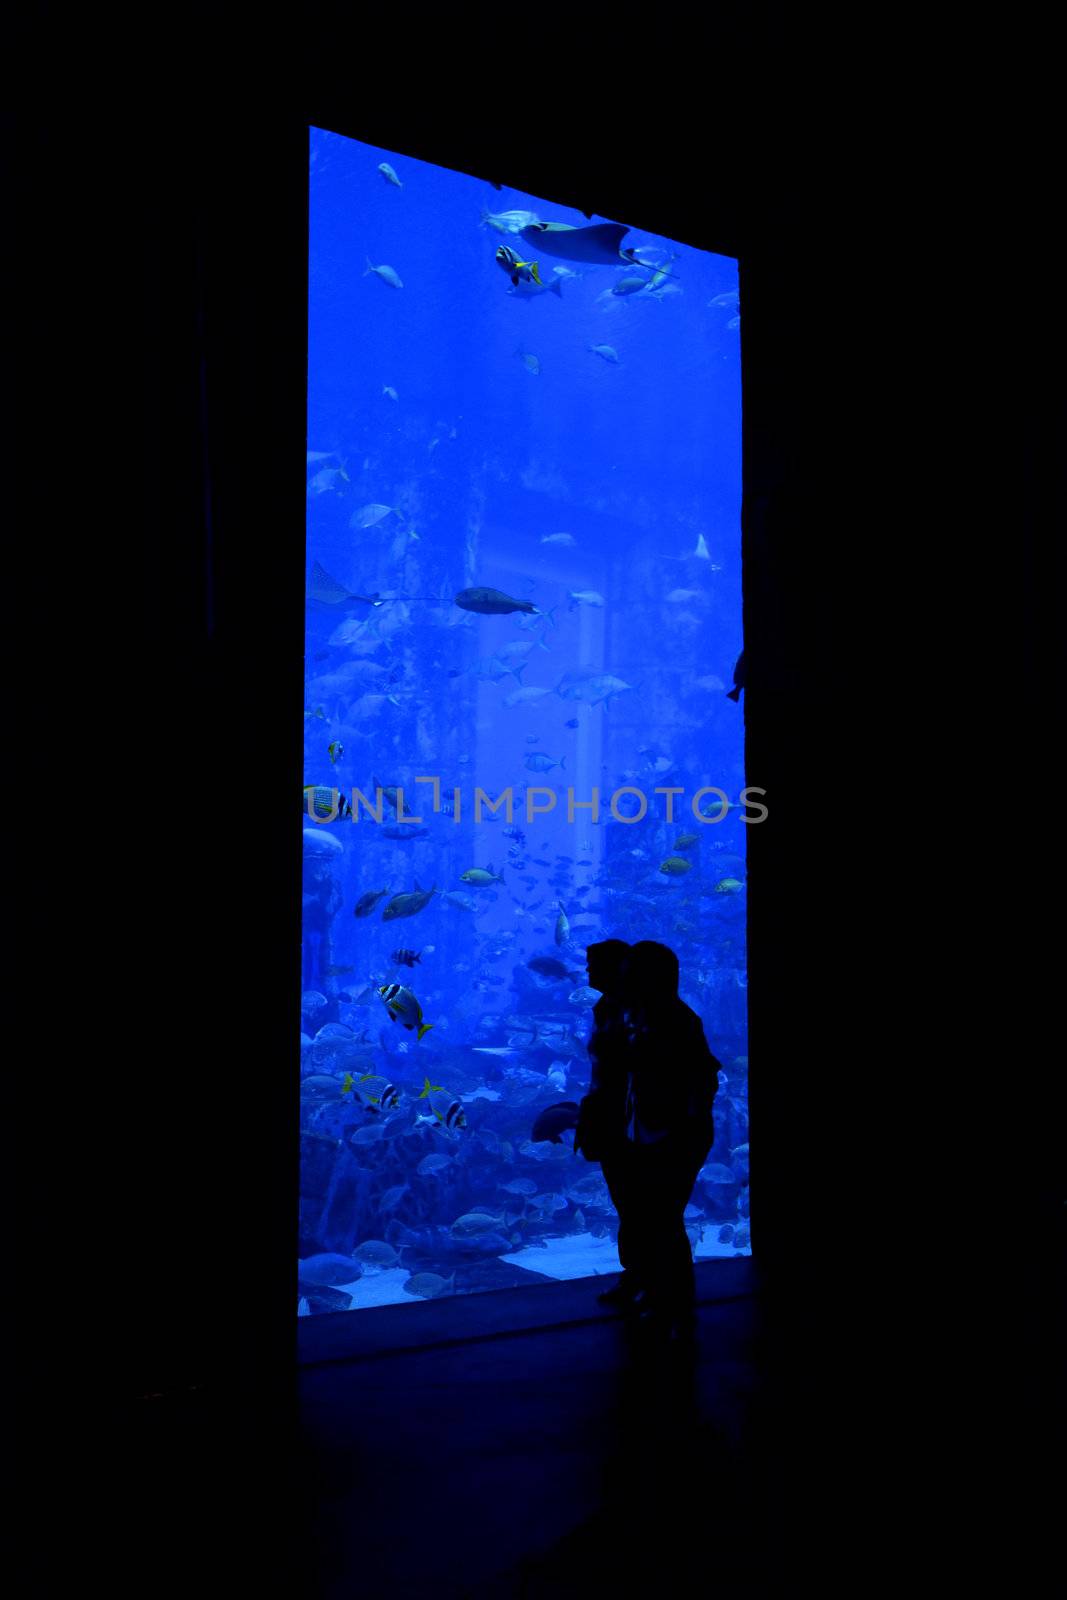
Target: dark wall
[[894, 686]]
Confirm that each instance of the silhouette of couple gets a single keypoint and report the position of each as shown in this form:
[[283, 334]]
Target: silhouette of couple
[[648, 1120]]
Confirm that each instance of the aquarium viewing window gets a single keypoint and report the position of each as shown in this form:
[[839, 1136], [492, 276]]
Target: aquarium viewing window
[[521, 724]]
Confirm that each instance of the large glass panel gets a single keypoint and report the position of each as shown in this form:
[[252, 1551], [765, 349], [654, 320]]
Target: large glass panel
[[524, 578]]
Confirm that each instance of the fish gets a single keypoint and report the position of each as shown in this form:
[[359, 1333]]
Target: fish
[[554, 1121], [678, 597], [606, 351], [585, 996], [335, 751], [661, 273], [405, 958], [480, 876], [519, 1186], [428, 1285], [326, 479], [538, 761], [389, 393], [566, 539], [510, 221], [328, 1268], [734, 322], [389, 175], [369, 516], [593, 687], [728, 299], [600, 244], [709, 681], [325, 803], [585, 597], [403, 1007], [524, 696], [516, 834], [563, 927], [517, 650], [630, 285], [572, 722], [407, 905], [492, 603], [473, 1223], [367, 902], [687, 841], [322, 590], [318, 712], [702, 550], [376, 1253], [729, 886], [373, 1089], [445, 1107], [508, 260], [529, 361], [739, 679], [675, 866], [549, 967], [387, 274], [432, 1164], [462, 902]]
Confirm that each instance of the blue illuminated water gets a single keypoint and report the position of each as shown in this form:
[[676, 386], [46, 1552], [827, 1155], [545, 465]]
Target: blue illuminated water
[[456, 428]]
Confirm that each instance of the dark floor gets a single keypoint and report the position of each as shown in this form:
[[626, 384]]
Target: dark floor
[[522, 1444], [518, 1445]]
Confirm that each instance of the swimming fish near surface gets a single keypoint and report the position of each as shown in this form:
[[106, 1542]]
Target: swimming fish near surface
[[739, 679], [389, 175], [510, 221], [606, 351]]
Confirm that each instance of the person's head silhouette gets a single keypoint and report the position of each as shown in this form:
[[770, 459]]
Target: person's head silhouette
[[651, 975], [604, 963]]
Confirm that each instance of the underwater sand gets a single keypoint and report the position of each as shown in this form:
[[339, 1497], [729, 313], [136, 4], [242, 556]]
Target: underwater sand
[[577, 1256]]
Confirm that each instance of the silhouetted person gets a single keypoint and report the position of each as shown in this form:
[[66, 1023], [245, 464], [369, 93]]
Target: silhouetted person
[[672, 1079], [601, 1132]]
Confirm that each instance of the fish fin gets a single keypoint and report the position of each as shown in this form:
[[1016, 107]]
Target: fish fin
[[563, 761], [517, 671], [369, 267], [734, 694], [424, 1028], [515, 279], [556, 287], [535, 274]]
